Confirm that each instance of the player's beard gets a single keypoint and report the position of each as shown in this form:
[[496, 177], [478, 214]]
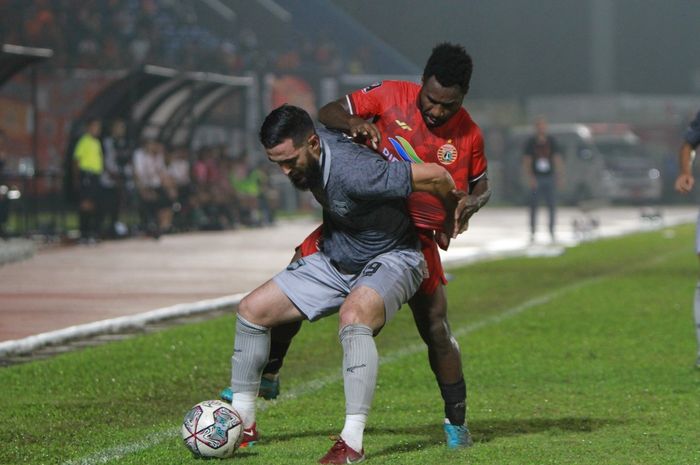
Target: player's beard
[[309, 177]]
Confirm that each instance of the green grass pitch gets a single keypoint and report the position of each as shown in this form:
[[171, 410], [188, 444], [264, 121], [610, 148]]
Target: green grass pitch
[[585, 358]]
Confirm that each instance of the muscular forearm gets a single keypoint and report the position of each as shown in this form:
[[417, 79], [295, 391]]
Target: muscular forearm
[[432, 178], [335, 115], [480, 193]]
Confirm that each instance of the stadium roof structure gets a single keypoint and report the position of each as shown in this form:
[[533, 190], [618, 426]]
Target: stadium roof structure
[[14, 58], [161, 103]]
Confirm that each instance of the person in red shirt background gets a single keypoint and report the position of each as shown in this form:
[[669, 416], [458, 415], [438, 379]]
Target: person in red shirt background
[[422, 124]]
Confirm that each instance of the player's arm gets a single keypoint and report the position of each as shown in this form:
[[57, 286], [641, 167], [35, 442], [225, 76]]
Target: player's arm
[[479, 195], [336, 115], [527, 170], [436, 180], [685, 180]]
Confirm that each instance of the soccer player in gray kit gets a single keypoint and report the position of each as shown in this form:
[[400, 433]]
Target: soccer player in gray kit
[[369, 262]]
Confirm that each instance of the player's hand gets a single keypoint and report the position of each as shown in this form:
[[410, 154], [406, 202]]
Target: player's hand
[[684, 183], [466, 207], [362, 131], [442, 239]]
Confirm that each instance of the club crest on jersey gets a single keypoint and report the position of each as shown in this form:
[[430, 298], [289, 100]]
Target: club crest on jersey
[[371, 86], [447, 154]]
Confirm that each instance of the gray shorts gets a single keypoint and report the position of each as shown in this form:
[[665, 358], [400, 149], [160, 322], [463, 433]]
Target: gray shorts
[[318, 289]]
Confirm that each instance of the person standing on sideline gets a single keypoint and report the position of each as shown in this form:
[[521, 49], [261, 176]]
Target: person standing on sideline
[[117, 161], [422, 124], [684, 184], [367, 266], [543, 166], [88, 161], [4, 189]]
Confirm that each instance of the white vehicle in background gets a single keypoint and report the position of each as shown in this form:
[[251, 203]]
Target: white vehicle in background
[[630, 174]]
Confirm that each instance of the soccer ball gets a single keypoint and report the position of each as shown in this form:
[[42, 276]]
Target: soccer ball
[[212, 429]]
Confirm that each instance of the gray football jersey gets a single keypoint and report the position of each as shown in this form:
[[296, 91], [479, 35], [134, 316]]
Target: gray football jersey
[[363, 199]]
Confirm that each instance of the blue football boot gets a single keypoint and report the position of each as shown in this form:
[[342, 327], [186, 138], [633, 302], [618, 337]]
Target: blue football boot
[[269, 389], [457, 436]]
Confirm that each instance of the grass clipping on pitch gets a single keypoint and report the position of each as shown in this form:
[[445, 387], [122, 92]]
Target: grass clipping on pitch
[[585, 358]]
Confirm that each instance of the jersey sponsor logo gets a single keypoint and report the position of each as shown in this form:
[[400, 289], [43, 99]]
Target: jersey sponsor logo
[[447, 154], [371, 86], [403, 125], [388, 155], [404, 149]]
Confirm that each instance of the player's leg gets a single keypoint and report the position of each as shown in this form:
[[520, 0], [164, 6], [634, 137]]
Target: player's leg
[[534, 194], [430, 314], [696, 302], [280, 338], [696, 314], [550, 198], [262, 309], [377, 294]]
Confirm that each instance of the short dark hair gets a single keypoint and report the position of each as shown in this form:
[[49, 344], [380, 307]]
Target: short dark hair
[[451, 65], [286, 122]]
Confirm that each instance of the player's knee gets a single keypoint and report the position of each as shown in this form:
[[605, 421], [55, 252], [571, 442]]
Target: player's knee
[[248, 309], [354, 315]]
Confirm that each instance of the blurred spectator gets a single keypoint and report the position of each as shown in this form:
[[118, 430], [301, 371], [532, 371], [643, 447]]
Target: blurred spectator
[[327, 55], [224, 202], [4, 187], [117, 170], [216, 205], [247, 183], [360, 61], [156, 194], [88, 167], [178, 167], [269, 198], [113, 34]]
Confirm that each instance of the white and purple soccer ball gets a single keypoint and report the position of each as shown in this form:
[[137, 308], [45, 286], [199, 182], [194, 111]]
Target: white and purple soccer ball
[[212, 429]]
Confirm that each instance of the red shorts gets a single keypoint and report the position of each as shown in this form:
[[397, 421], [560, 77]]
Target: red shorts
[[436, 274]]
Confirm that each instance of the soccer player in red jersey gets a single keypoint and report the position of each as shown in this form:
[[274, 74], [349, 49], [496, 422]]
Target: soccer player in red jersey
[[427, 123], [420, 123]]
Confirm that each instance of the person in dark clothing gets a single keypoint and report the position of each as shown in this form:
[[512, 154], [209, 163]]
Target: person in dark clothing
[[544, 170]]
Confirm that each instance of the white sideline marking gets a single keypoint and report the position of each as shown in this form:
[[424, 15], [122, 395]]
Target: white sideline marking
[[456, 258], [115, 325], [118, 452], [114, 453]]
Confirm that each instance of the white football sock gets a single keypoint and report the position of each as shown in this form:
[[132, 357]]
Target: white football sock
[[244, 403], [353, 430]]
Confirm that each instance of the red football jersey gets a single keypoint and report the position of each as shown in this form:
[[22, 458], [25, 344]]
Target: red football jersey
[[457, 145]]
